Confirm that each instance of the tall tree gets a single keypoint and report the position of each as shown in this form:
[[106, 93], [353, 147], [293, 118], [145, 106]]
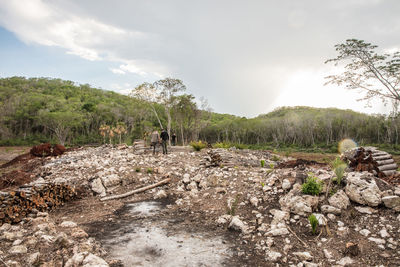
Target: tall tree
[[167, 89], [148, 93], [378, 75]]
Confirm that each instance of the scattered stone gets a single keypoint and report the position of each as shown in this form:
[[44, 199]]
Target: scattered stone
[[346, 261], [34, 259], [273, 256], [330, 209], [383, 233], [286, 185], [98, 187], [392, 202], [68, 224], [237, 224], [303, 256], [254, 201], [377, 240], [160, 194], [339, 200], [365, 210], [365, 232], [21, 249]]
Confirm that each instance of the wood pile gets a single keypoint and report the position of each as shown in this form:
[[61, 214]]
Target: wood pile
[[218, 158], [370, 159], [45, 150], [139, 146], [16, 205]]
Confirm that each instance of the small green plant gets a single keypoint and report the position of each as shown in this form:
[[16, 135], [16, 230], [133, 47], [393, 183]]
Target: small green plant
[[312, 186], [339, 171], [262, 184], [271, 166], [275, 158], [149, 170], [262, 162], [199, 145], [314, 223], [137, 169]]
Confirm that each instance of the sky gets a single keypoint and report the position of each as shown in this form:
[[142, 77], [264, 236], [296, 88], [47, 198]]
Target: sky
[[245, 57]]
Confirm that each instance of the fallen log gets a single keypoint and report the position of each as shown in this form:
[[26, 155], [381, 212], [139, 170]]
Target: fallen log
[[139, 190], [388, 167]]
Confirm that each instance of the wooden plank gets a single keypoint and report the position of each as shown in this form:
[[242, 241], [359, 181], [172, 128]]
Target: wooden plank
[[384, 162], [382, 157]]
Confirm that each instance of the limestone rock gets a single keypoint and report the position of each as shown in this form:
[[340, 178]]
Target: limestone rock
[[286, 184], [68, 224], [97, 187], [21, 249], [160, 194], [392, 202], [339, 200], [362, 188], [346, 261], [330, 209], [303, 256], [237, 224], [273, 256]]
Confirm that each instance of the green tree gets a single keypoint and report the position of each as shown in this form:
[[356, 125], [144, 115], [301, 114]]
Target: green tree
[[167, 89], [378, 75]]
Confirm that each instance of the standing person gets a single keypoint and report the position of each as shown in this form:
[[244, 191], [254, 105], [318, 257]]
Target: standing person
[[164, 139], [173, 139], [155, 138]]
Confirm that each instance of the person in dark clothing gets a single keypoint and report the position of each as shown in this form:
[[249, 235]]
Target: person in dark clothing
[[173, 139], [164, 138]]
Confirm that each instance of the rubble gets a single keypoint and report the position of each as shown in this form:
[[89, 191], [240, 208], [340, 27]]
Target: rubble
[[214, 190]]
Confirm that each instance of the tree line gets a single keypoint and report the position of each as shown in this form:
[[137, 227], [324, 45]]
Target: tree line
[[35, 110]]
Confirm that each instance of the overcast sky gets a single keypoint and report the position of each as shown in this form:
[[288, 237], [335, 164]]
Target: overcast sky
[[245, 57]]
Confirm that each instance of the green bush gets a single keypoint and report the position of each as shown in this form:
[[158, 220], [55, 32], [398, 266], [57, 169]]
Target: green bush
[[149, 170], [199, 145], [312, 186], [314, 223], [262, 162]]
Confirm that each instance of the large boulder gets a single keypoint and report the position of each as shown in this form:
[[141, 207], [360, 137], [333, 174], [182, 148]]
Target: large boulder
[[362, 188], [295, 202]]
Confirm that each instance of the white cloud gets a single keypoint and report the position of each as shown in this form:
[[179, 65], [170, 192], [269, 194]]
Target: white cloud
[[117, 71], [40, 22]]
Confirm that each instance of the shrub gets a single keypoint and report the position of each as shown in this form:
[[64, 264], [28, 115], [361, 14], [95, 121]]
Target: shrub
[[137, 169], [149, 170], [262, 162], [275, 158], [312, 186], [199, 145], [314, 223]]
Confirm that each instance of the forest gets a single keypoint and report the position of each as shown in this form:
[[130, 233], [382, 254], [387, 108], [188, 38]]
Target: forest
[[36, 110]]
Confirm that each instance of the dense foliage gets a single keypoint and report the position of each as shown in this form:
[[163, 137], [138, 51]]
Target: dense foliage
[[41, 109]]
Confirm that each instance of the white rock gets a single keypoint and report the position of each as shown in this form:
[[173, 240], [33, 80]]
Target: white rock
[[365, 210], [5, 227], [339, 200], [345, 261], [224, 219], [277, 232], [17, 242], [328, 254], [309, 264], [186, 178], [92, 260], [68, 224], [160, 194], [197, 178], [33, 259], [377, 240], [392, 202], [303, 256], [97, 187], [192, 186], [254, 201], [21, 249], [286, 184], [237, 224], [365, 232], [280, 216], [383, 233], [330, 209], [362, 188], [273, 256], [321, 219]]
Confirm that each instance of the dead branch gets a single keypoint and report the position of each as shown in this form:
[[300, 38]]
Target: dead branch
[[298, 238], [142, 189]]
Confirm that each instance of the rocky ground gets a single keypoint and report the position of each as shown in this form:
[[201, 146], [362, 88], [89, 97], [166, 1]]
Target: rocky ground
[[230, 212]]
